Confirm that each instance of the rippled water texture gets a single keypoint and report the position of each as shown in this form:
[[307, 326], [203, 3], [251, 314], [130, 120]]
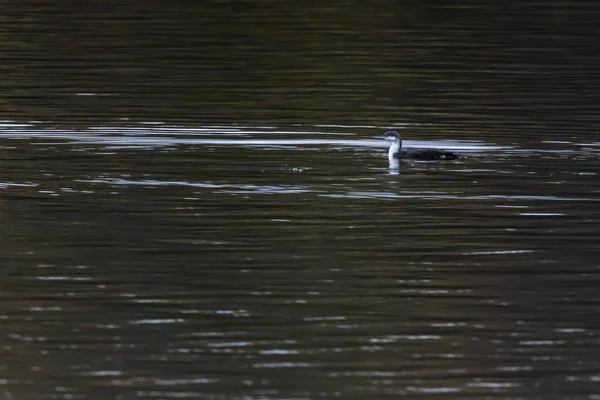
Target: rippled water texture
[[194, 204]]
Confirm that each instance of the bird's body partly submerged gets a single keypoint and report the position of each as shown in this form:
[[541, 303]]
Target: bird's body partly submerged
[[426, 154], [396, 151]]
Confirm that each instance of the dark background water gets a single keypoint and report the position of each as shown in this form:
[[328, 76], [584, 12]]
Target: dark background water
[[192, 205]]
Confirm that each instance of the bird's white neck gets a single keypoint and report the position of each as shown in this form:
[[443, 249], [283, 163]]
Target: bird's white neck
[[394, 148]]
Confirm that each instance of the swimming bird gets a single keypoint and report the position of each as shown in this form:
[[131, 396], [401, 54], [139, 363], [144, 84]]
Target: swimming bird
[[396, 151]]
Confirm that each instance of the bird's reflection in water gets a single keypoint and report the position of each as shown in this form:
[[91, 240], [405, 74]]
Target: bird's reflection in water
[[394, 167]]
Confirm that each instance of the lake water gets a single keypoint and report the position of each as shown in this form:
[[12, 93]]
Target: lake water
[[194, 204]]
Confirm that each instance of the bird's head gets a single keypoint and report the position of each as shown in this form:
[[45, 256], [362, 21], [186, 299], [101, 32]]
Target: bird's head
[[391, 136]]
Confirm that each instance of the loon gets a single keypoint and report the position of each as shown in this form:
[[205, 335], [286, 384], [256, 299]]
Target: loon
[[415, 154]]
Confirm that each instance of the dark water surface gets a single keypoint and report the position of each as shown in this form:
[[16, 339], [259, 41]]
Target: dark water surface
[[193, 205]]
